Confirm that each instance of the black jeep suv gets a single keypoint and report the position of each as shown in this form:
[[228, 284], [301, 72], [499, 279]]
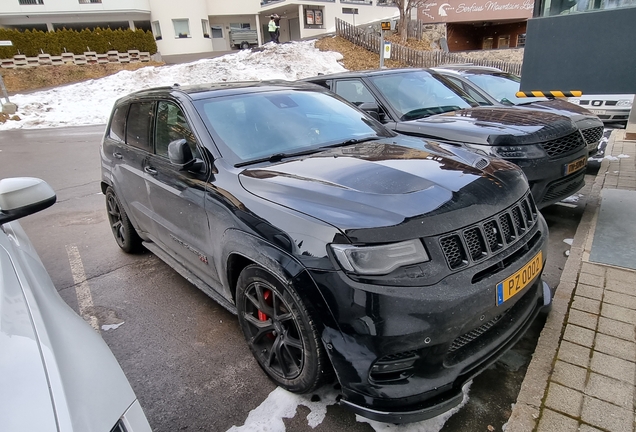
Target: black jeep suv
[[547, 146], [404, 266]]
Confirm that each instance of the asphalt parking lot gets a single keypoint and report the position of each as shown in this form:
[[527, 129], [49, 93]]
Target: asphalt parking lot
[[185, 355]]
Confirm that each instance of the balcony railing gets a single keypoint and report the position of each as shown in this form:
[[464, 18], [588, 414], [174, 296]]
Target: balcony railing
[[365, 2], [31, 2], [89, 1]]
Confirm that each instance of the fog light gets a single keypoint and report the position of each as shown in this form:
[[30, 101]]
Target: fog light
[[393, 367]]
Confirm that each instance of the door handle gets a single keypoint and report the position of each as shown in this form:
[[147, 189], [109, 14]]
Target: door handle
[[117, 155], [150, 170]]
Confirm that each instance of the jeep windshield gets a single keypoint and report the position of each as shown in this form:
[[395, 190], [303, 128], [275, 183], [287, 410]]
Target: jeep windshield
[[501, 86], [272, 125], [419, 94]]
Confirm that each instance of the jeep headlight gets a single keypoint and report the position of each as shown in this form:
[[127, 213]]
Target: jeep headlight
[[624, 103], [379, 260], [531, 151]]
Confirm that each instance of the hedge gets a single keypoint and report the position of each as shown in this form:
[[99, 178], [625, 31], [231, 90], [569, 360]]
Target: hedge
[[34, 42]]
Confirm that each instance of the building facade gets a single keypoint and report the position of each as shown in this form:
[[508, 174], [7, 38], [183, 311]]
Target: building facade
[[480, 24], [194, 26]]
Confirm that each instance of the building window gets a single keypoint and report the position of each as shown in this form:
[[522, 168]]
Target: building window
[[181, 28], [385, 2], [217, 32], [313, 18], [503, 42], [205, 26], [89, 1], [240, 26], [156, 30], [487, 43], [31, 2], [521, 40]]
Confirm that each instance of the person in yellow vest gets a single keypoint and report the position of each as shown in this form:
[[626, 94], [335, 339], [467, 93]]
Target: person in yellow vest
[[272, 28]]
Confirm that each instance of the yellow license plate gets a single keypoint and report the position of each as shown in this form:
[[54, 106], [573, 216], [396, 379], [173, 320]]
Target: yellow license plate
[[518, 281], [575, 166]]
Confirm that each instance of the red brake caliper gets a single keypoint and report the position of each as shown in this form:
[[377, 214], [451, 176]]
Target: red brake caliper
[[267, 296]]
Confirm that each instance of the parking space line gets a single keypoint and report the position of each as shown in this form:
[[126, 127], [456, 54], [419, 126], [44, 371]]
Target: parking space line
[[82, 290]]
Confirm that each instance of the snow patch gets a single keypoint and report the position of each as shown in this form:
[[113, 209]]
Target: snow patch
[[622, 156], [280, 404], [572, 198], [568, 241], [107, 327], [90, 102]]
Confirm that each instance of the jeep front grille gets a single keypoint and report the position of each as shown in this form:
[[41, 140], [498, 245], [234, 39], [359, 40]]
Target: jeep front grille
[[564, 187], [564, 145], [467, 338], [477, 242], [592, 135]]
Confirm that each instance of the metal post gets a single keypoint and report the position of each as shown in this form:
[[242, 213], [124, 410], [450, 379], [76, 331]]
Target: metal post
[[381, 49], [4, 89], [630, 132]]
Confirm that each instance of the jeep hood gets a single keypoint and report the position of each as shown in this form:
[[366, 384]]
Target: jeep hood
[[389, 182], [583, 118], [491, 126]]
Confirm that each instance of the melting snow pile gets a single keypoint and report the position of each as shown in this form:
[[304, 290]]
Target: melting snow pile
[[90, 102]]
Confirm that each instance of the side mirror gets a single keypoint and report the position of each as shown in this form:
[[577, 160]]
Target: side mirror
[[22, 196], [180, 154], [506, 101], [371, 108]]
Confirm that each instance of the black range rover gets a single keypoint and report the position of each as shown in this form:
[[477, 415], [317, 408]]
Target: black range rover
[[401, 267], [548, 147]]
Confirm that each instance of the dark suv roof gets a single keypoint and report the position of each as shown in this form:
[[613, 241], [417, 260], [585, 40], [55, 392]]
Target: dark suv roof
[[203, 91], [372, 72]]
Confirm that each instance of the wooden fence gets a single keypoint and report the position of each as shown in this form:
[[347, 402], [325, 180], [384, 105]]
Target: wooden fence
[[416, 58]]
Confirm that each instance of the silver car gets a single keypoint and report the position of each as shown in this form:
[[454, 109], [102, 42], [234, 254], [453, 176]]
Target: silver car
[[56, 372], [611, 108]]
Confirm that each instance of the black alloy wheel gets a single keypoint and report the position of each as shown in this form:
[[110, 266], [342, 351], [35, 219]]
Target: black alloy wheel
[[279, 331], [123, 231]]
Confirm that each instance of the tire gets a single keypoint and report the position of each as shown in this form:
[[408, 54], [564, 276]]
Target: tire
[[123, 231], [279, 331], [245, 45]]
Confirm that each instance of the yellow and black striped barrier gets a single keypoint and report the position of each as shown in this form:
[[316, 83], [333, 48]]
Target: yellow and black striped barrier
[[550, 94]]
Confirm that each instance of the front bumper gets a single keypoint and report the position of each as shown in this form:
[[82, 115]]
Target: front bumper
[[432, 339], [548, 181]]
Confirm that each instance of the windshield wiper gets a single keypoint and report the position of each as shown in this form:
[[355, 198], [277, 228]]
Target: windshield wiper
[[426, 112], [351, 141], [277, 157]]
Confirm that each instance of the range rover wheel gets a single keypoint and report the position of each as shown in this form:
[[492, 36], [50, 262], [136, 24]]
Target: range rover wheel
[[125, 234], [279, 331]]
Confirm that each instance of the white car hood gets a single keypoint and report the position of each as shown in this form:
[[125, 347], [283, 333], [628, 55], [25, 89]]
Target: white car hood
[[56, 372]]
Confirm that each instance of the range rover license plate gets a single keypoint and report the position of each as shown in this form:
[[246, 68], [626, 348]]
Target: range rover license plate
[[575, 166], [518, 281]]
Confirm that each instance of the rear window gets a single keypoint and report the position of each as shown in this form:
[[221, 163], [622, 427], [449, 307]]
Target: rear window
[[118, 124], [140, 119]]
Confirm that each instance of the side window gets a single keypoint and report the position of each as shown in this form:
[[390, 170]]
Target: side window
[[354, 91], [171, 126], [118, 124], [470, 90], [140, 117]]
